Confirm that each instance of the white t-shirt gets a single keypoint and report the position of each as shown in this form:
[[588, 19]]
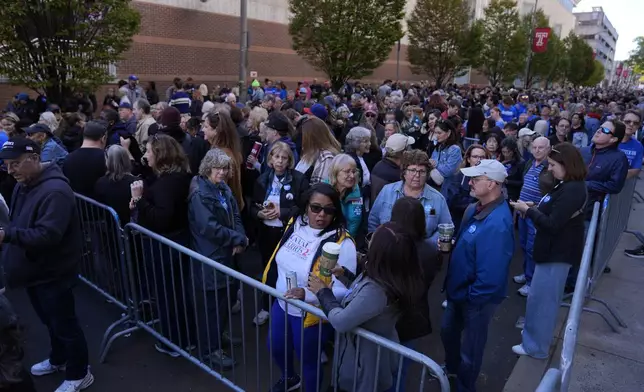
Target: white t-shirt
[[366, 176], [274, 197], [297, 255]]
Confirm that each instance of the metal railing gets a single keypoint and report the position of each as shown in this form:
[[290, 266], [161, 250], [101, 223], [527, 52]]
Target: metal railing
[[186, 301]]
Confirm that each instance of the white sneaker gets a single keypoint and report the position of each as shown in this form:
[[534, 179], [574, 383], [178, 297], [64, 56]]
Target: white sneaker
[[444, 304], [76, 385], [45, 367], [519, 279], [261, 318], [524, 291], [519, 350]]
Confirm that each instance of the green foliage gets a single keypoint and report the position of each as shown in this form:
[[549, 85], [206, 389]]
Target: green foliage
[[59, 46], [503, 46], [441, 41], [596, 76], [580, 63], [345, 39], [636, 56], [541, 65]]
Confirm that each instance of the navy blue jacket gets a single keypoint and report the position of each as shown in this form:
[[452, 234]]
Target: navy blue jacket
[[607, 170], [42, 242], [478, 269]]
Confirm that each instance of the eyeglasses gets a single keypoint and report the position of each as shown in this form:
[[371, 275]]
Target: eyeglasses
[[370, 115], [316, 209], [631, 122], [350, 171], [606, 131], [415, 172], [221, 169]]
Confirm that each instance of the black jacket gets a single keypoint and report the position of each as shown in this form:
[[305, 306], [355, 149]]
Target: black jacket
[[194, 147], [42, 243], [514, 181], [385, 172], [293, 183], [116, 194], [559, 221]]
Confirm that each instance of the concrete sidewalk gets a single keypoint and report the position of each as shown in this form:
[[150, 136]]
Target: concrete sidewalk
[[604, 360]]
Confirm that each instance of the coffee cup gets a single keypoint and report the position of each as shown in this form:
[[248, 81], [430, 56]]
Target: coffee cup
[[445, 235], [329, 258]]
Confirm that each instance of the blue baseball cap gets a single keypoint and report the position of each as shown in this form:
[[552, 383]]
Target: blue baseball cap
[[35, 128], [16, 146], [132, 77], [125, 105]]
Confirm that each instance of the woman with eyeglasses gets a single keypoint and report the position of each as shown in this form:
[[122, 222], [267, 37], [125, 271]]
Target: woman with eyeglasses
[[392, 283], [558, 245], [460, 198], [415, 170], [295, 257], [343, 177], [277, 197], [216, 232], [446, 157]]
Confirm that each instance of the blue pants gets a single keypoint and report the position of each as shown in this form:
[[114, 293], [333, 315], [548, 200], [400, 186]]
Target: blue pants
[[542, 309], [282, 351], [527, 233], [464, 334], [54, 305]]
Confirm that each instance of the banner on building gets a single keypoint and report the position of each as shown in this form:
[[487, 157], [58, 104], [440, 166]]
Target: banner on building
[[540, 39], [618, 71]]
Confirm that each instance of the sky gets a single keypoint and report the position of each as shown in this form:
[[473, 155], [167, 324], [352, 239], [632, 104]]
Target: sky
[[626, 16]]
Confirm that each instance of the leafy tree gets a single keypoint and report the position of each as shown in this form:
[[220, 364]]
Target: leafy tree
[[541, 63], [596, 76], [503, 46], [57, 47], [442, 42], [579, 57], [345, 39], [636, 56]]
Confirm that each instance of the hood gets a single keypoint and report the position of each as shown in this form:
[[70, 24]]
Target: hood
[[288, 141], [175, 132], [49, 172]]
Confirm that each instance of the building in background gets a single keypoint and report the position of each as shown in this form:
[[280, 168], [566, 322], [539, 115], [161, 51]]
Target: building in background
[[595, 28]]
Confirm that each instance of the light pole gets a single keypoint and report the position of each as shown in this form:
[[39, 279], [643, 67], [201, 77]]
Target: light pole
[[531, 39], [243, 50], [398, 63]]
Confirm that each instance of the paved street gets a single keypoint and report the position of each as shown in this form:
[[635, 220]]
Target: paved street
[[134, 365]]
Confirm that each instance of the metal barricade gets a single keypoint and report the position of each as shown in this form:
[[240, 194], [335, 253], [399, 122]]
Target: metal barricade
[[103, 265], [192, 300]]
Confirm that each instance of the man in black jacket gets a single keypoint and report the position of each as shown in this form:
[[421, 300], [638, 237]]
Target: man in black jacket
[[42, 249]]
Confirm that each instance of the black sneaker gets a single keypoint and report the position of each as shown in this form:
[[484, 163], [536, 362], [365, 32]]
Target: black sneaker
[[219, 359], [637, 253], [287, 384]]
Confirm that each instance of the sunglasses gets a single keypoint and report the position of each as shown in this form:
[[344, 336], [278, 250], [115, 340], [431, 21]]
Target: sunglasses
[[606, 131], [370, 115], [316, 209]]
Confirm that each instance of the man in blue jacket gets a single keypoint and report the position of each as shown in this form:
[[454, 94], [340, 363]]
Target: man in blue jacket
[[477, 276], [41, 253]]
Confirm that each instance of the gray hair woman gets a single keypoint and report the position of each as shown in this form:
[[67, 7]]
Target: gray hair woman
[[216, 232], [343, 177], [113, 189], [358, 143]]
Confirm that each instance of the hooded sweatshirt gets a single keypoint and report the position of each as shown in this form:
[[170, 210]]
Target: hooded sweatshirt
[[42, 242]]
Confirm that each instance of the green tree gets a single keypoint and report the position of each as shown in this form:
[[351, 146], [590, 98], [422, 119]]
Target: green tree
[[503, 46], [541, 63], [636, 56], [442, 42], [596, 76], [57, 47], [580, 63], [345, 40]]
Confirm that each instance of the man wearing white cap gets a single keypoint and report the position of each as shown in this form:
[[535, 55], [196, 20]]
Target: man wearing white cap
[[477, 275], [387, 171]]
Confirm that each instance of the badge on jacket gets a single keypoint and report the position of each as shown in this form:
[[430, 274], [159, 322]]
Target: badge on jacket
[[471, 229], [289, 196]]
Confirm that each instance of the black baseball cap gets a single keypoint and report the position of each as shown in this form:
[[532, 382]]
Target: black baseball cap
[[16, 146], [95, 129], [35, 128], [278, 121]]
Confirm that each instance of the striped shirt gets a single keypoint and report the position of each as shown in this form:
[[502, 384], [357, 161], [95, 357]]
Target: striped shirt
[[530, 189], [181, 101]]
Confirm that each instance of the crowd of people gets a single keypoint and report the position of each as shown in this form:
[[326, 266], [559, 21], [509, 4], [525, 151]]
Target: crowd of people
[[371, 172]]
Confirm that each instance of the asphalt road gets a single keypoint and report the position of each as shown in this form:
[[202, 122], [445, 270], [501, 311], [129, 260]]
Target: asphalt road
[[133, 364]]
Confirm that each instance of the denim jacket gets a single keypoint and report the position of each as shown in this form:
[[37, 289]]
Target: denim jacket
[[53, 152], [447, 163], [434, 204]]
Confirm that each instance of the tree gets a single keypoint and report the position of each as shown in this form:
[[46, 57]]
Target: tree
[[442, 43], [541, 63], [596, 76], [580, 63], [503, 46], [57, 47], [345, 40], [636, 56]]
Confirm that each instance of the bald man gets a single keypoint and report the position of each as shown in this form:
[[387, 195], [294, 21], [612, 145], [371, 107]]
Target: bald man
[[530, 193]]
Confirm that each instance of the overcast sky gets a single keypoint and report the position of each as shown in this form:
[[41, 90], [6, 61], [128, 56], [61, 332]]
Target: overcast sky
[[627, 16]]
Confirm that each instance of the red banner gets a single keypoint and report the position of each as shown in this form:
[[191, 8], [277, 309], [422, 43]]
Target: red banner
[[625, 73], [618, 71], [540, 39]]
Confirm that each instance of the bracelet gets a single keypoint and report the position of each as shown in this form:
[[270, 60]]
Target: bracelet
[[136, 199]]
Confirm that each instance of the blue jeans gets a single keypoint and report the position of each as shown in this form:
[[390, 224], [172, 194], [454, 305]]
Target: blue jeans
[[464, 335], [527, 233], [542, 308], [286, 337], [54, 305]]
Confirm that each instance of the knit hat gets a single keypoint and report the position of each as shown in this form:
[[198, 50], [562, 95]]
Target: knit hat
[[255, 83], [319, 111], [278, 121], [170, 117]]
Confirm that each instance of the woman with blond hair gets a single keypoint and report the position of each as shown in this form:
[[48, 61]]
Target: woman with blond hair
[[319, 146], [220, 131], [343, 176]]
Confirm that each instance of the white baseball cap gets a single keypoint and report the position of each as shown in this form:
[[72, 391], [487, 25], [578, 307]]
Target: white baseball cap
[[399, 142], [526, 132], [490, 168]]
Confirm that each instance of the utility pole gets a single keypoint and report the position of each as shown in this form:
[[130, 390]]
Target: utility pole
[[243, 51], [531, 39], [398, 63]]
